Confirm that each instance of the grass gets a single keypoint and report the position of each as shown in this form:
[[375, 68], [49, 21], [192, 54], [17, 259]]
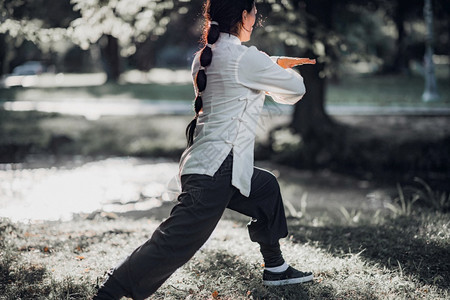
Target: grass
[[388, 90], [390, 258], [110, 91], [402, 255], [23, 133]]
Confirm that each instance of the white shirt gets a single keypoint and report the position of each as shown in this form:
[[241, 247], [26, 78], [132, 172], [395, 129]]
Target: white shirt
[[237, 80]]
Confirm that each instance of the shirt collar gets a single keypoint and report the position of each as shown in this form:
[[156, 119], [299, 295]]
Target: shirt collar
[[229, 38]]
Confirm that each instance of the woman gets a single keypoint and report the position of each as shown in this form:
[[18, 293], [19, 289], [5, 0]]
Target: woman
[[217, 169]]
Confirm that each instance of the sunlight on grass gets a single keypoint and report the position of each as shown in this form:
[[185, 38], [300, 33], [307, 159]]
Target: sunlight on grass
[[47, 80], [228, 266], [108, 91], [158, 84], [159, 76], [165, 84], [58, 193], [95, 110]]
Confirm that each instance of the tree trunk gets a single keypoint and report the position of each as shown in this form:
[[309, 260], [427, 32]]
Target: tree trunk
[[309, 114], [399, 64], [144, 56], [431, 92], [8, 54], [309, 118], [111, 58], [448, 41]]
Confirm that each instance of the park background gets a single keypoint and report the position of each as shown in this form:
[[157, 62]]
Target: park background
[[94, 100]]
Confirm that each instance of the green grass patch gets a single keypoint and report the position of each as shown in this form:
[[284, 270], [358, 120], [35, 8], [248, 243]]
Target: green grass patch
[[386, 258], [24, 133], [388, 90], [109, 91]]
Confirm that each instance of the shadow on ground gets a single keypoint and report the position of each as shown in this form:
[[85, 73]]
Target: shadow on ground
[[233, 275], [386, 149], [399, 244]]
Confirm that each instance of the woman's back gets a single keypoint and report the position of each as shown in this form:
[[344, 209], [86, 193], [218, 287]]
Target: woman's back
[[237, 80]]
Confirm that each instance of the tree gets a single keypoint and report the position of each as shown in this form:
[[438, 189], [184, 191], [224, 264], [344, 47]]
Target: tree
[[305, 29], [182, 36], [41, 22], [332, 32], [119, 26]]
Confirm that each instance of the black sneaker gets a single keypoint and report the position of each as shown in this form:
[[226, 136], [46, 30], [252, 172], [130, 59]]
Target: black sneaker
[[290, 276]]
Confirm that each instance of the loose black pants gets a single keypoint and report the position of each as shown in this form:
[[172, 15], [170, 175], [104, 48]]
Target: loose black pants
[[191, 222]]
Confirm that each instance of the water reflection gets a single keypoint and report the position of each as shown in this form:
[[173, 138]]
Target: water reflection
[[53, 193]]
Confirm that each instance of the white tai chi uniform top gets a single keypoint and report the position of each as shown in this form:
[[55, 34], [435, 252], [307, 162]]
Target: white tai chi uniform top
[[237, 80]]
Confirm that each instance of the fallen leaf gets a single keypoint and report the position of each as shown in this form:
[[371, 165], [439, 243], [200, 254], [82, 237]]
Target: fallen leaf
[[80, 257]]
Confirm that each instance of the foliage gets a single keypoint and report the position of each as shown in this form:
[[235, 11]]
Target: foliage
[[347, 32], [352, 31], [129, 21], [87, 21], [412, 198], [344, 39], [426, 196], [402, 206], [351, 217], [29, 20]]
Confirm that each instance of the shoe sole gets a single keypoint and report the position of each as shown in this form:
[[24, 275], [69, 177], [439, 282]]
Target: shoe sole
[[288, 281]]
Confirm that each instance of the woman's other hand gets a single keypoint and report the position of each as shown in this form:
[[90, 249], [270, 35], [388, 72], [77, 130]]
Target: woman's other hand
[[289, 62]]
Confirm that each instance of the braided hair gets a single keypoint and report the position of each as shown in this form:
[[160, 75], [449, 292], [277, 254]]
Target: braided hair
[[220, 16]]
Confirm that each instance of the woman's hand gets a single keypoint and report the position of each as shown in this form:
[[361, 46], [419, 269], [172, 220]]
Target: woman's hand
[[289, 62]]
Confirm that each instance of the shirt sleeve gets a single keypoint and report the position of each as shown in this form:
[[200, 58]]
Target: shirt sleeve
[[258, 71]]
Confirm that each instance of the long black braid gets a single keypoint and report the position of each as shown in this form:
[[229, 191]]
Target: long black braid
[[220, 16], [200, 78]]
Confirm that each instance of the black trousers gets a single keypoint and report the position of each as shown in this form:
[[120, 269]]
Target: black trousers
[[191, 222]]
